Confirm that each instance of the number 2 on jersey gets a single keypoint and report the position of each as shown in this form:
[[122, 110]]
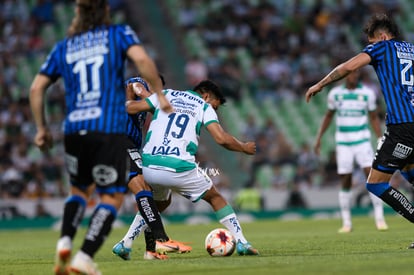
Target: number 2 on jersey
[[406, 79]]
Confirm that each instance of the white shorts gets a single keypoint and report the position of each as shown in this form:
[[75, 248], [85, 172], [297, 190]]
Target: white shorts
[[189, 184], [345, 156]]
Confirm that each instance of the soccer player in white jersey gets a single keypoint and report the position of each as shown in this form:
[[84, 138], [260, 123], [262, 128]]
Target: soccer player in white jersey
[[353, 103], [172, 142]]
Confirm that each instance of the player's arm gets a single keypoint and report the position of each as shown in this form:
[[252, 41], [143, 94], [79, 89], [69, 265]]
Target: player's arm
[[327, 119], [230, 142], [149, 72], [375, 123], [339, 72], [134, 107], [43, 138]]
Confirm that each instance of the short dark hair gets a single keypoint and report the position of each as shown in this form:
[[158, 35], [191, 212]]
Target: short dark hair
[[208, 86], [381, 21]]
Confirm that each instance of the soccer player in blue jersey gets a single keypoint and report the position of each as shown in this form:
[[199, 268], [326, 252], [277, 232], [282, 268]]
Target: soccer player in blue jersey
[[91, 62], [392, 58]]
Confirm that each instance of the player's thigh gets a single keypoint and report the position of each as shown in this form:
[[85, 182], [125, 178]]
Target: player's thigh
[[195, 184], [190, 184], [344, 159], [364, 154]]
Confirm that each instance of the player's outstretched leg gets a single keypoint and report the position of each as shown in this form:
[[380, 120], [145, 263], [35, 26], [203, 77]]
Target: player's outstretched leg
[[228, 218], [123, 248]]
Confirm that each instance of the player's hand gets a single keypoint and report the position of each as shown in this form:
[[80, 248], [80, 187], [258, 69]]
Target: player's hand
[[312, 91], [139, 91], [43, 139], [249, 148], [165, 104]]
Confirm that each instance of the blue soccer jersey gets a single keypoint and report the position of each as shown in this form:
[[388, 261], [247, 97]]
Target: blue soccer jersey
[[135, 127], [393, 62], [92, 67], [135, 123]]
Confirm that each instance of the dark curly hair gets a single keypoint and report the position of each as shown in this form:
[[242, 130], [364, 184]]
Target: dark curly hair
[[90, 14], [381, 22]]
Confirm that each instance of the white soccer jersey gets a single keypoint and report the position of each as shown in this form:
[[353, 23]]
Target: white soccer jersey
[[352, 107], [172, 139]]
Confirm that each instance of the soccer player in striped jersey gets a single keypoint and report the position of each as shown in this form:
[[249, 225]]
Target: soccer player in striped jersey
[[392, 59], [171, 145], [352, 103], [91, 61], [147, 218]]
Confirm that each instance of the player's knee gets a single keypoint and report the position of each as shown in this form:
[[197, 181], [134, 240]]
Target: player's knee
[[408, 175], [377, 188], [162, 205]]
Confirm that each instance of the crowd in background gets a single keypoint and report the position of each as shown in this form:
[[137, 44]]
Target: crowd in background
[[288, 46], [25, 172]]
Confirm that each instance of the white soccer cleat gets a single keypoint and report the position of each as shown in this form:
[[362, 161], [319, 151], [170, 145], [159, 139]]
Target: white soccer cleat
[[63, 251], [83, 264], [345, 229], [382, 226], [150, 255]]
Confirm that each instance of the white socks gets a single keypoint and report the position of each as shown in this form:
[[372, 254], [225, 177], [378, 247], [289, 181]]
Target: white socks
[[378, 208], [232, 224], [345, 206], [135, 229]]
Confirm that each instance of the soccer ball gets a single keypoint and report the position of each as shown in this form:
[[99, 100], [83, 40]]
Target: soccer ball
[[220, 242]]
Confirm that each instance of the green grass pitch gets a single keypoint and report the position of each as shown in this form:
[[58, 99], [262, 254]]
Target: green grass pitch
[[287, 247]]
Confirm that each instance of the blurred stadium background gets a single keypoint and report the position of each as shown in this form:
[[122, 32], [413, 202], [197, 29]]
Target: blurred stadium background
[[263, 53]]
